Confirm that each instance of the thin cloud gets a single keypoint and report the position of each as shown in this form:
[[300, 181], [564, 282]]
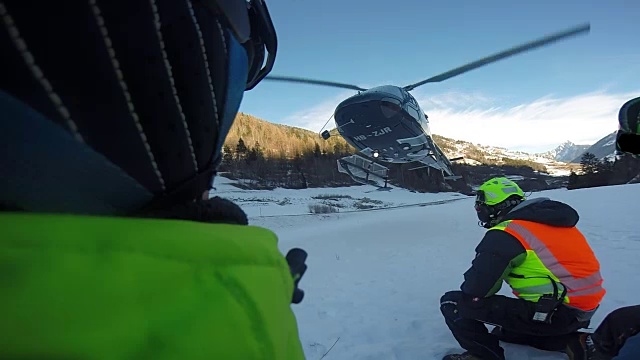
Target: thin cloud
[[315, 117], [475, 117], [537, 126]]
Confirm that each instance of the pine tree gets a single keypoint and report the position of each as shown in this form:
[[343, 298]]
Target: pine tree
[[573, 180], [316, 151], [241, 149], [227, 155], [589, 163], [259, 153]]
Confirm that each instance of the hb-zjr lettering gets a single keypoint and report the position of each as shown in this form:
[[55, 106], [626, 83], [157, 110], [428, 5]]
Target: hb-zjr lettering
[[380, 132]]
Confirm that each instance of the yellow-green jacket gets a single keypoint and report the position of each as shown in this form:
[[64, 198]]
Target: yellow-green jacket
[[83, 287]]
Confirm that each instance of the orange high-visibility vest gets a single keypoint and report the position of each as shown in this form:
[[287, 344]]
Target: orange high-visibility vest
[[558, 253]]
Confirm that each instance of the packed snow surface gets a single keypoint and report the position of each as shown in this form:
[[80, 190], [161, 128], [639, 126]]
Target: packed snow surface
[[375, 277]]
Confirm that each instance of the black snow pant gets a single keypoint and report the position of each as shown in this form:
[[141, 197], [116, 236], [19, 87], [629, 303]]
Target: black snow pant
[[513, 320]]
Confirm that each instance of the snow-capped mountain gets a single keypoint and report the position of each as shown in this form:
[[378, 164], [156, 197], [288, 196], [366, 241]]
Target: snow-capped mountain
[[566, 152], [605, 147], [475, 154], [557, 161]]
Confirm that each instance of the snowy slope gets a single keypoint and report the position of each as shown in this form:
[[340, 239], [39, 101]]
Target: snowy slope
[[375, 278]]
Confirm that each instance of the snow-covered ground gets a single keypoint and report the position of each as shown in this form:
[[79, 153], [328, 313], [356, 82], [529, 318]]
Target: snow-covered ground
[[375, 278], [267, 203]]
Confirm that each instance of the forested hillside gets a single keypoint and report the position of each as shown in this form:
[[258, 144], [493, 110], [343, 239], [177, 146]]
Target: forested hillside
[[271, 155]]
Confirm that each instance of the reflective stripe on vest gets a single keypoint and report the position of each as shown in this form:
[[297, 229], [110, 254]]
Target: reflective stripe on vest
[[561, 254]]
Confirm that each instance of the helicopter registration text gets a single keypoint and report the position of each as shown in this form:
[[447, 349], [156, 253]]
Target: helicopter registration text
[[380, 132]]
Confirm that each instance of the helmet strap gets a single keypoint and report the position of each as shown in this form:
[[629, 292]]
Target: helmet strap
[[190, 189], [497, 212]]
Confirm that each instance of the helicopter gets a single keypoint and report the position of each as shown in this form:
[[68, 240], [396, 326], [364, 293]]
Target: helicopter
[[387, 124]]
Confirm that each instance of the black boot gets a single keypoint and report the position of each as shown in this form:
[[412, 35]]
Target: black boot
[[581, 347]]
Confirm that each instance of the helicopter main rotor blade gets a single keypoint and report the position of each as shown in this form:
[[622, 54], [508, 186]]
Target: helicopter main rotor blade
[[314, 82], [504, 54]]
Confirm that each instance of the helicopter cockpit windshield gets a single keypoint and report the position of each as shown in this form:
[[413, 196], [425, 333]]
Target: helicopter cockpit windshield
[[390, 107]]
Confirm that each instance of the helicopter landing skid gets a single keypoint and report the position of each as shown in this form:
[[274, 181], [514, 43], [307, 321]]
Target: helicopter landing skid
[[364, 171]]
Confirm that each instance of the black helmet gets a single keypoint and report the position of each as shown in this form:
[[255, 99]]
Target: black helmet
[[628, 136], [110, 107]]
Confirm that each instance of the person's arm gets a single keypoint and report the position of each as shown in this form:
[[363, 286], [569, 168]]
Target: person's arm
[[496, 255], [616, 330]]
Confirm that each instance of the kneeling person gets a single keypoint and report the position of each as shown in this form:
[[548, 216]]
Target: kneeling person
[[535, 247]]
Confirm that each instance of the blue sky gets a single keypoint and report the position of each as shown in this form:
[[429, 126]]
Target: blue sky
[[570, 90]]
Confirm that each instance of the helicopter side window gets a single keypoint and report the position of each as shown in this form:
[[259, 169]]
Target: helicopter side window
[[413, 112], [390, 107]]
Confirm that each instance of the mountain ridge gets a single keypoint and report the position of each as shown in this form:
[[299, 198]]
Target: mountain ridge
[[286, 140], [603, 149], [566, 152]]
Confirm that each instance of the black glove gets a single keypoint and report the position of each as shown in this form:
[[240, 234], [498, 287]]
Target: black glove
[[472, 301], [296, 258]]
